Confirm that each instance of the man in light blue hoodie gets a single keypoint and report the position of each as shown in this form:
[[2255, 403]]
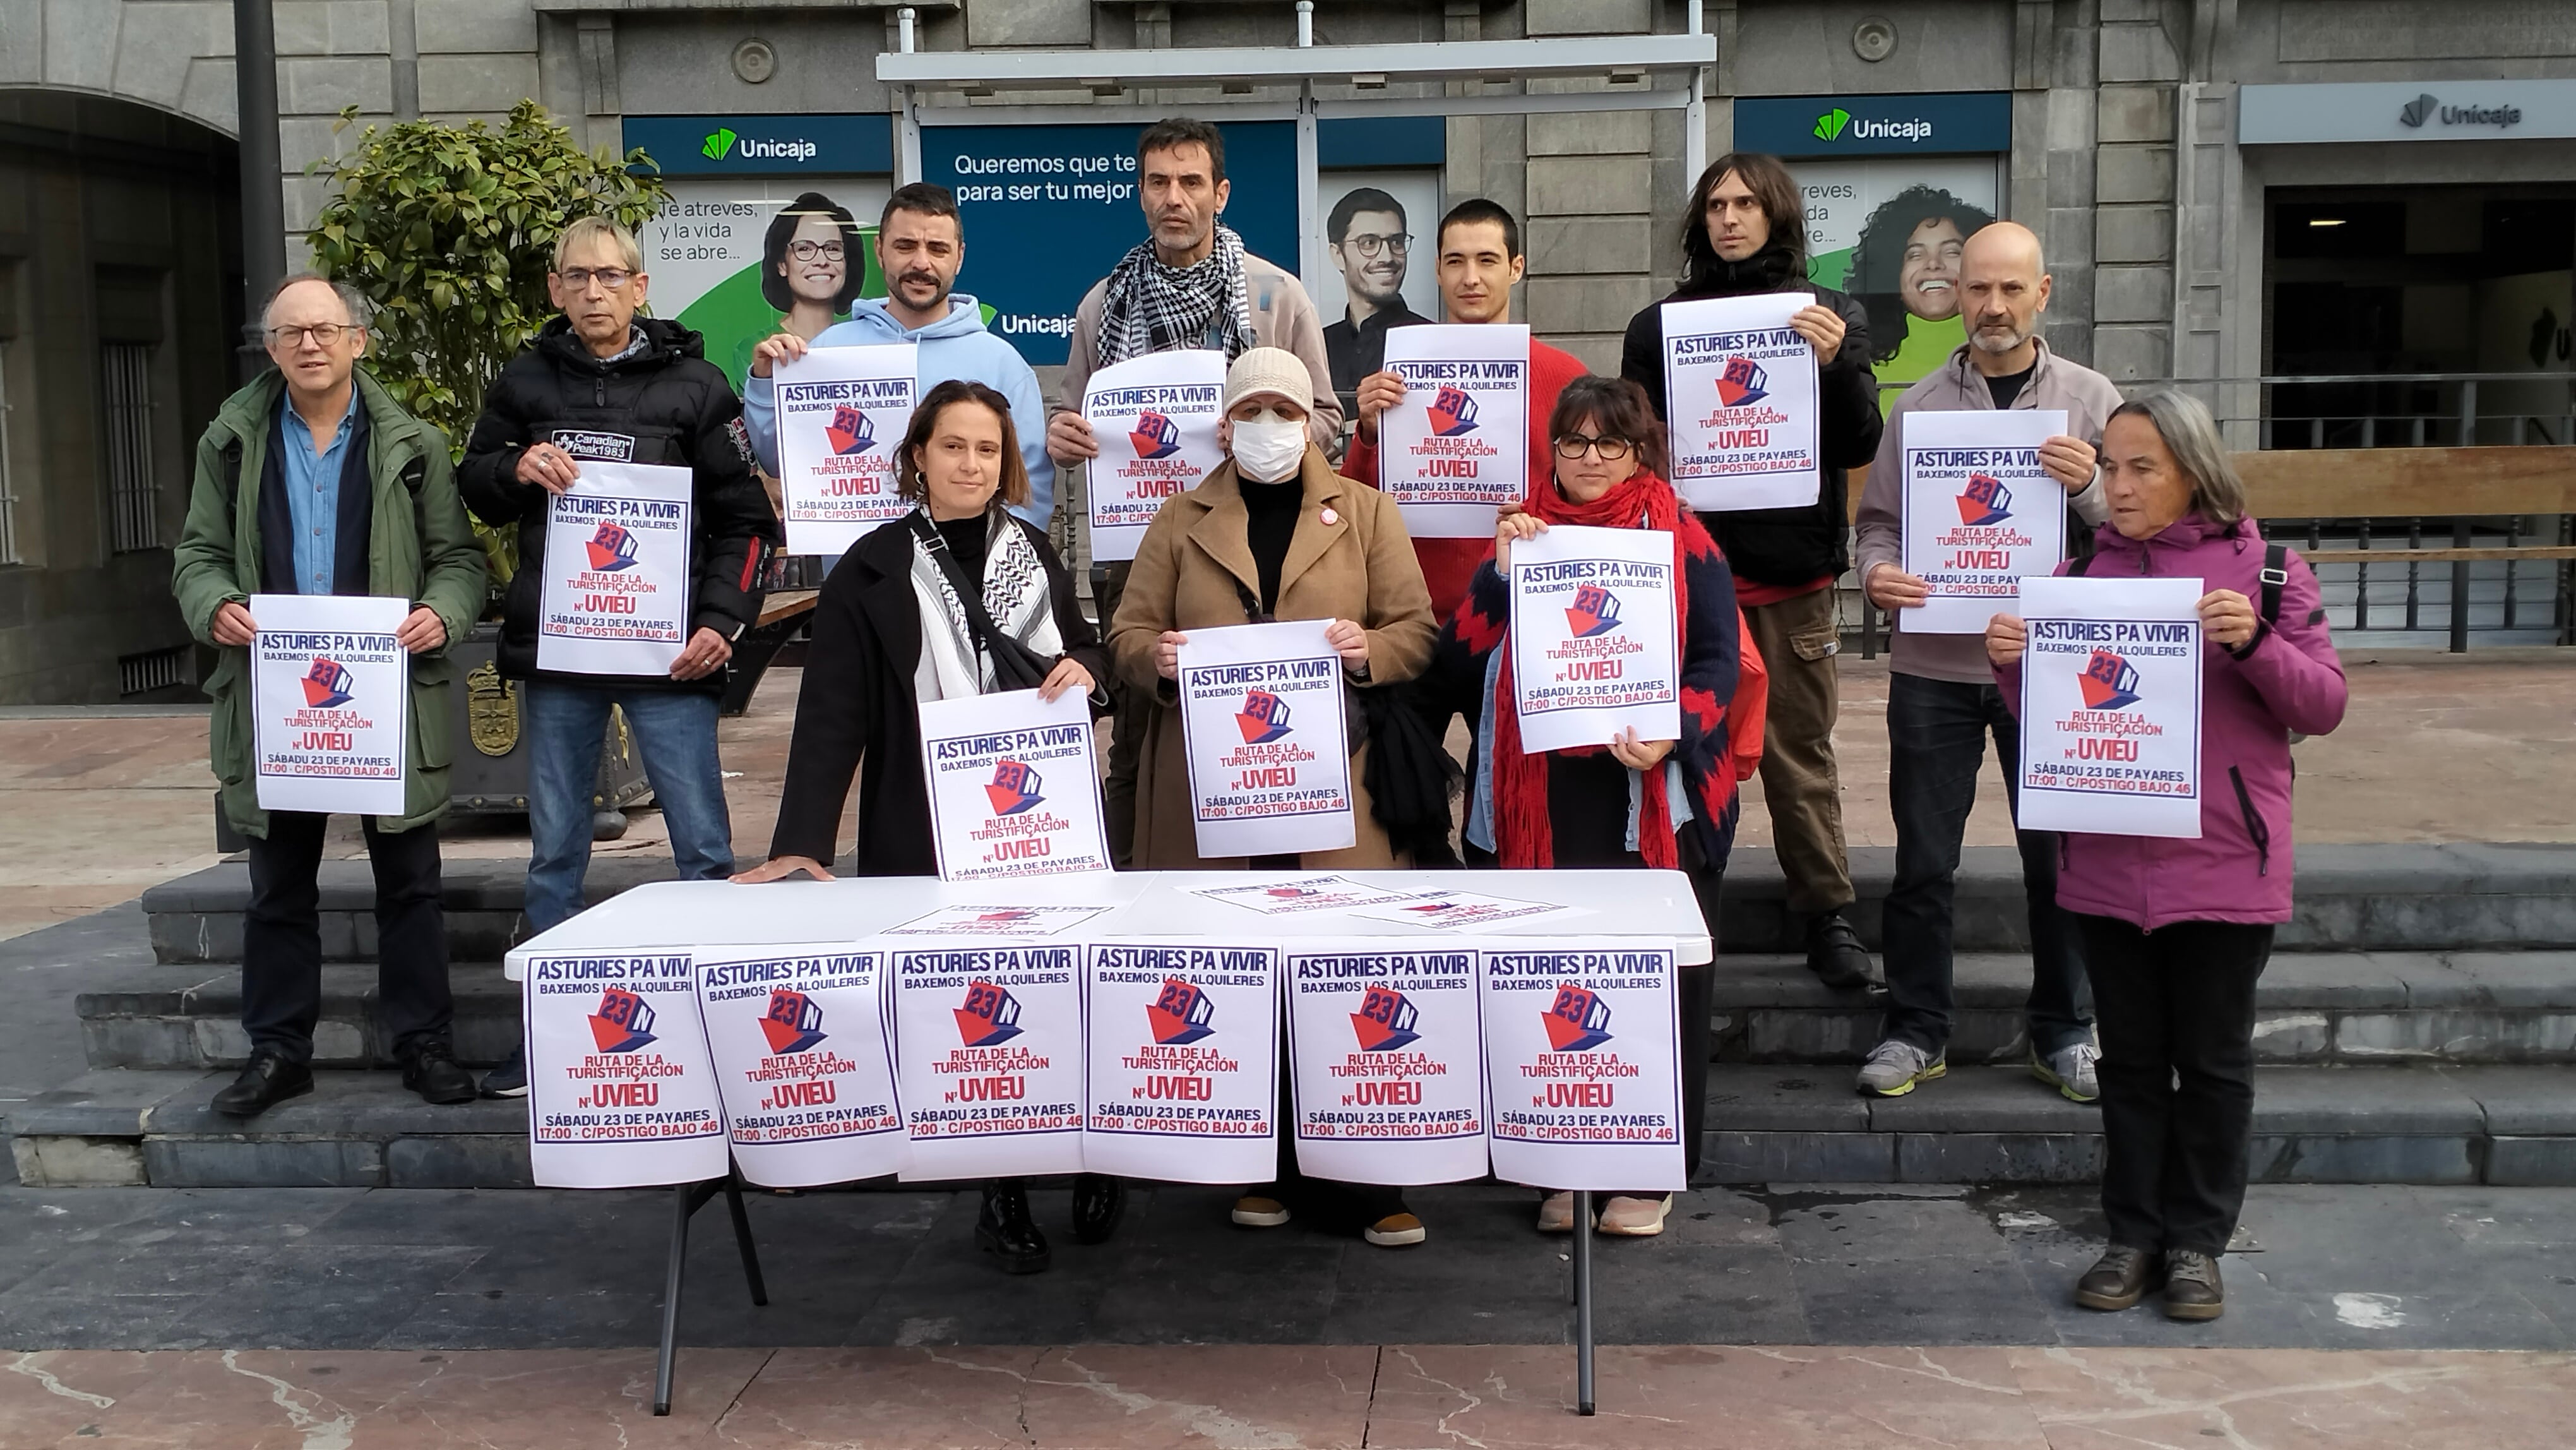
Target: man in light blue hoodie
[[921, 244]]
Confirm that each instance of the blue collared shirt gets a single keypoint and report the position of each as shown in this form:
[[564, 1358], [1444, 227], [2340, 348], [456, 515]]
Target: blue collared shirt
[[313, 494]]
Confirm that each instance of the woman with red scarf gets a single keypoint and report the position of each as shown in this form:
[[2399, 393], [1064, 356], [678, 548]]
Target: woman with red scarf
[[1664, 804]]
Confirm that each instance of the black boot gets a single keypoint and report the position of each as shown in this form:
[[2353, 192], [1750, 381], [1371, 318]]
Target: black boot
[[1835, 955], [269, 1080], [1005, 1231], [429, 1069], [1099, 1202]]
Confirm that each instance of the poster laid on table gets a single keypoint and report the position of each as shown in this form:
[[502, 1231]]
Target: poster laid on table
[[2111, 706], [1269, 747], [1742, 389], [1981, 515], [1595, 645], [1155, 419], [1014, 786], [1582, 1057], [1299, 894], [1457, 447], [842, 412], [1184, 1063], [621, 1090], [798, 1036], [1465, 910], [617, 592], [330, 693], [988, 1046], [1388, 1062]]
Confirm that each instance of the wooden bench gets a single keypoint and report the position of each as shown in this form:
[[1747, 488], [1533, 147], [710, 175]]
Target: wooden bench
[[2399, 483], [781, 614]]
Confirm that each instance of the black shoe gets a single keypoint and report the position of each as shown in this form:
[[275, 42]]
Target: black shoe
[[1099, 1202], [2192, 1290], [430, 1070], [269, 1080], [2118, 1280], [510, 1079], [1835, 955], [1005, 1231]]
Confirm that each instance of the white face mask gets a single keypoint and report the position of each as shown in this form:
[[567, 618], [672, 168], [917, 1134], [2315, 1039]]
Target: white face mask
[[1267, 450]]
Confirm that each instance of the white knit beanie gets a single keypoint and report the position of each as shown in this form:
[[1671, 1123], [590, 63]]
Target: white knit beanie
[[1271, 371]]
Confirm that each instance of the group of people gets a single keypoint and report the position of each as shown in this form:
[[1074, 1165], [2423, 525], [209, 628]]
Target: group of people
[[313, 480]]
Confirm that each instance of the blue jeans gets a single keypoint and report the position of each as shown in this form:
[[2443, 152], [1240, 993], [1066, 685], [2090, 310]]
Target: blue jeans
[[676, 734]]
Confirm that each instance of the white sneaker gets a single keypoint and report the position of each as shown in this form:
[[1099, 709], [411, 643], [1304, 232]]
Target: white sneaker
[[1556, 1213], [1895, 1066], [1636, 1218], [2070, 1070]]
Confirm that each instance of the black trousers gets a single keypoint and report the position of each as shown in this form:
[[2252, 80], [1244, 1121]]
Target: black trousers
[[282, 936], [2177, 1014], [1334, 1206]]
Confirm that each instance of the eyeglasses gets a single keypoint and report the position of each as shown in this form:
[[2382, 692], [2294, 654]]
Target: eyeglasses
[[1572, 446], [326, 334], [808, 251], [1379, 244], [580, 278]]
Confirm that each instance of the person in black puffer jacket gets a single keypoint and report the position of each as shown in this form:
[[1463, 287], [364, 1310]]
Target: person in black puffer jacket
[[600, 383], [1745, 232]]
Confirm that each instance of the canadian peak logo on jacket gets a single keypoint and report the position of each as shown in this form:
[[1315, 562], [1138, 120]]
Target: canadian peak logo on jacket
[[1180, 1014], [591, 443], [1263, 718], [1595, 610], [612, 548], [990, 1017], [1013, 788], [1452, 412], [2109, 681], [1984, 501], [793, 1023], [1742, 381], [326, 684], [623, 1023], [1385, 1020], [1155, 436], [1578, 1019], [849, 431]]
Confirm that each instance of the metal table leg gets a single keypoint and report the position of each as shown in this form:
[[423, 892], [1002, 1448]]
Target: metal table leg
[[686, 1200], [1583, 1301]]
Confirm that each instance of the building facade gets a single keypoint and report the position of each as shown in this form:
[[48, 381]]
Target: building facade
[[2228, 189]]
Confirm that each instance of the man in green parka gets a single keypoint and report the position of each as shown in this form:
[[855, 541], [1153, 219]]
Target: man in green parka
[[313, 480]]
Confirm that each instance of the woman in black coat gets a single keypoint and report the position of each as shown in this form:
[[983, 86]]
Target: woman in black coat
[[889, 633]]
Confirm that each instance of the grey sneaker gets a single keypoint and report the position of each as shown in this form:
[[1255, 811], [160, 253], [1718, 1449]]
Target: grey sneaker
[[1895, 1066], [2070, 1070]]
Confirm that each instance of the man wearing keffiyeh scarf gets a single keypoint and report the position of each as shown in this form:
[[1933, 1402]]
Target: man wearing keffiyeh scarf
[[1150, 307]]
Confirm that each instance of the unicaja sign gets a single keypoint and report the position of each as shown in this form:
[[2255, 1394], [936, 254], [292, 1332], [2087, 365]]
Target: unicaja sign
[[2424, 108], [1836, 124]]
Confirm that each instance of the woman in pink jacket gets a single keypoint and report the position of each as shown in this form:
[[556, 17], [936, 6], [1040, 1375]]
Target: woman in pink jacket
[[2175, 932]]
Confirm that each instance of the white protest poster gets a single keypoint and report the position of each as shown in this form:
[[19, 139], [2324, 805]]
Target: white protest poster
[[1457, 447], [1014, 786], [1155, 419], [1981, 515], [621, 1091], [1582, 1051], [2110, 706], [1388, 1061], [1183, 1084], [842, 412], [988, 1048], [617, 592], [798, 1035], [1596, 646], [1465, 910], [330, 700], [1301, 894], [997, 920], [1741, 384], [1269, 748]]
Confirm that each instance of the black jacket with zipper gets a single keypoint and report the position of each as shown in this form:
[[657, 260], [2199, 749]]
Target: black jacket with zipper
[[666, 404]]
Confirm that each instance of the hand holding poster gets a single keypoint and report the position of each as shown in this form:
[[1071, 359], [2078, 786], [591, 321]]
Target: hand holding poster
[[988, 1042], [842, 412], [1980, 513], [1269, 749], [1014, 785], [617, 592], [798, 1034], [1595, 644], [1155, 419], [2110, 713], [1582, 1054], [621, 1091], [330, 694], [1457, 447], [1184, 1062], [1741, 384], [1389, 1062]]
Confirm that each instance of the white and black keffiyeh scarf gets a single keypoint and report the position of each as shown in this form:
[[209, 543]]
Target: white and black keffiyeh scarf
[[1015, 596], [1150, 308]]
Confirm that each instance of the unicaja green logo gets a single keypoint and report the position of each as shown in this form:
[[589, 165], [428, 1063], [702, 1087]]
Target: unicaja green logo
[[1829, 126], [719, 144]]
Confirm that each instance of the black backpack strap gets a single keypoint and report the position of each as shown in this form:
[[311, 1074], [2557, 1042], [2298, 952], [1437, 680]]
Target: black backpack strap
[[2079, 566], [2276, 577]]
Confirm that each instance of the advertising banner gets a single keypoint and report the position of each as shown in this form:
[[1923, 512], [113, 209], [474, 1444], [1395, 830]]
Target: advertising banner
[[1155, 418], [621, 1090], [617, 592], [988, 1041], [1014, 785], [842, 412], [1582, 1054], [1595, 642], [1889, 229], [1457, 447], [1183, 1084], [1742, 387], [1389, 1063], [1980, 513], [721, 250], [330, 698], [2110, 713], [1269, 748], [1381, 271], [798, 1035]]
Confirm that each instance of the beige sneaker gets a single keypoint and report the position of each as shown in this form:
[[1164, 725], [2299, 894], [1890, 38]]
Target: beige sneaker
[[1396, 1231], [1255, 1212], [1556, 1213], [1636, 1218]]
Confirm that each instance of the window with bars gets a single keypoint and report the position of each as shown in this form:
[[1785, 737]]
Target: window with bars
[[8, 488], [133, 496]]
